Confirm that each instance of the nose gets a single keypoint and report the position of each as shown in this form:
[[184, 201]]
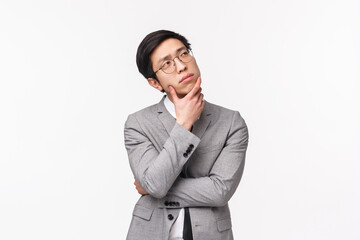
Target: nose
[[180, 66]]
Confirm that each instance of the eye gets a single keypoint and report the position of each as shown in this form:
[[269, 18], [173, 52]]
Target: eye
[[166, 64], [184, 53]]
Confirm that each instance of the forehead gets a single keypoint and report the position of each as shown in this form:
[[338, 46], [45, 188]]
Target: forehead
[[167, 47]]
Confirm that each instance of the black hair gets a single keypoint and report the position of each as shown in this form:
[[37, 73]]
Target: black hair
[[147, 46]]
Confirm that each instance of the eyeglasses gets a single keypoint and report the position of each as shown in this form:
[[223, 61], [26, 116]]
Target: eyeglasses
[[167, 67]]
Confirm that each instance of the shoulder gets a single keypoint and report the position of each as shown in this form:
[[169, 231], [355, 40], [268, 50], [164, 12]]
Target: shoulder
[[233, 120], [222, 113], [141, 116], [145, 112], [229, 119]]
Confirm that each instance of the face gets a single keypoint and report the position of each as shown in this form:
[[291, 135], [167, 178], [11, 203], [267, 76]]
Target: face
[[166, 51]]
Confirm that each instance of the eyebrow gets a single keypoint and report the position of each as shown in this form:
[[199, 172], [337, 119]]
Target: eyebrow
[[168, 56]]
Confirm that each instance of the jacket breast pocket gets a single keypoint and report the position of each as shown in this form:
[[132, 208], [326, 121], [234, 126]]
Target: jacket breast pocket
[[143, 212], [224, 224]]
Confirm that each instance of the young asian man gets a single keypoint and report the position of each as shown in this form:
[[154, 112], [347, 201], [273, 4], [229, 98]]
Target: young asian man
[[187, 155]]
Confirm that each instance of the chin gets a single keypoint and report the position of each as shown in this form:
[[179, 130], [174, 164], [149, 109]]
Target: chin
[[183, 92]]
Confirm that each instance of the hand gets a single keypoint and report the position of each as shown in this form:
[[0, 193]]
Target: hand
[[188, 108], [139, 188]]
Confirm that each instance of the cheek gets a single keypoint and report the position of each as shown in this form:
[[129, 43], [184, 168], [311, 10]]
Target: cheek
[[186, 88], [195, 66]]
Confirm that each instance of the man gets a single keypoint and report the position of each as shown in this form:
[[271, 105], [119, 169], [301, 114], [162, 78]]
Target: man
[[187, 155]]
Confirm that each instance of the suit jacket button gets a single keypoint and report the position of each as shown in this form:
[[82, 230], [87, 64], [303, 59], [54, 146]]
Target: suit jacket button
[[188, 151], [191, 146], [170, 217], [185, 155]]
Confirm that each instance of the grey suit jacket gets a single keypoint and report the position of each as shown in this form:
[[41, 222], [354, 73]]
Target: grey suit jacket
[[211, 159]]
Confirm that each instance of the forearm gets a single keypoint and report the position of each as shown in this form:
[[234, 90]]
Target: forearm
[[157, 171], [211, 191], [217, 188]]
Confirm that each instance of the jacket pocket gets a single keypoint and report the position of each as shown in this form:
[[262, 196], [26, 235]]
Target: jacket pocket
[[142, 212], [224, 224]]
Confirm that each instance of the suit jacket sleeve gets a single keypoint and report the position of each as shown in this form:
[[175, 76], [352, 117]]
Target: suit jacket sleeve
[[157, 171], [217, 188]]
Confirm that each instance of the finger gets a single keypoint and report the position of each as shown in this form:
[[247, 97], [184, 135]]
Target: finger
[[201, 97], [195, 89], [197, 94], [202, 104], [173, 93]]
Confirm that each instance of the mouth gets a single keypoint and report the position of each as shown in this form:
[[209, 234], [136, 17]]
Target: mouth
[[187, 77]]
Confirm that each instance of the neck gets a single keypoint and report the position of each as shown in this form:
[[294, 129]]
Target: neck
[[178, 95]]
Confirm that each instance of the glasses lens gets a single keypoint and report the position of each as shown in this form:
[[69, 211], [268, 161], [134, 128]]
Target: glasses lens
[[185, 56], [168, 67]]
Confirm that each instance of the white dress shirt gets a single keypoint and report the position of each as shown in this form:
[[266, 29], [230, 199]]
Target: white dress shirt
[[176, 230]]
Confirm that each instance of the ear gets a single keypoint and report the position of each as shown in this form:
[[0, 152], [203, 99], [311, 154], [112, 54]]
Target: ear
[[155, 84]]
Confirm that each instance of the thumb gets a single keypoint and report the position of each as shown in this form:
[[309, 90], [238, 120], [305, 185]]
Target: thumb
[[173, 93]]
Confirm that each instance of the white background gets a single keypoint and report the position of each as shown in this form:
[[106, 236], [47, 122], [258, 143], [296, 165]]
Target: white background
[[69, 80]]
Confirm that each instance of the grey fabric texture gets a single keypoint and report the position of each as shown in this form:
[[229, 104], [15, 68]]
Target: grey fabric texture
[[210, 159]]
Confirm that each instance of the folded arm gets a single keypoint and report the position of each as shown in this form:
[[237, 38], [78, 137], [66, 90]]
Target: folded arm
[[217, 188], [157, 171]]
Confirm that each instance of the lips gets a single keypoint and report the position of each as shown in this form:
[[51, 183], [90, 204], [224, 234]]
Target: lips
[[187, 77]]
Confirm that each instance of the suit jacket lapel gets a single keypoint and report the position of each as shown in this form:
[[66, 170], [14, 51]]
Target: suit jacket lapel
[[164, 116], [203, 122], [169, 121]]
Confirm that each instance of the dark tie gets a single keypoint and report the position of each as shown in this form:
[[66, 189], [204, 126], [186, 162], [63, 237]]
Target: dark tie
[[187, 232]]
